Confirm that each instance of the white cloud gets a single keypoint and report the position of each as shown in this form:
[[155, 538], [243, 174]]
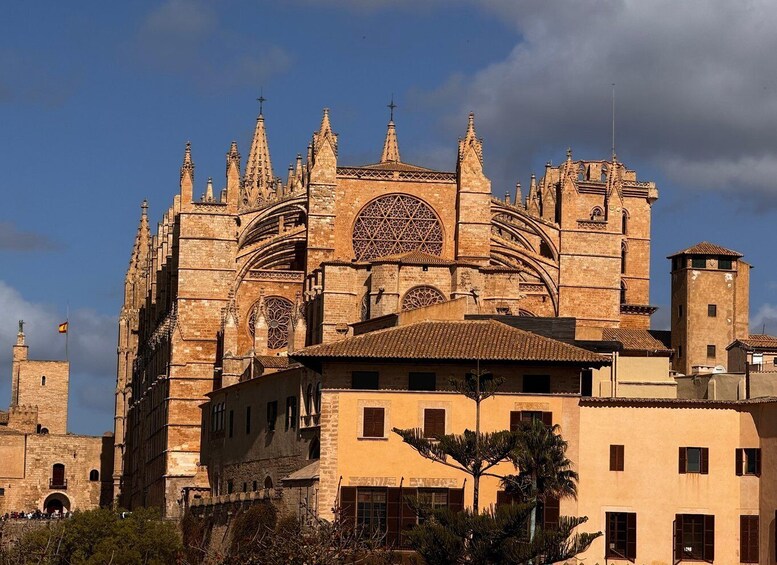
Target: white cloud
[[764, 320]]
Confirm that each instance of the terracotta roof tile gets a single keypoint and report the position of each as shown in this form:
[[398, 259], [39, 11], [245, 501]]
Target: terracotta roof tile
[[634, 339], [273, 361], [762, 341], [707, 248], [413, 258], [486, 340]]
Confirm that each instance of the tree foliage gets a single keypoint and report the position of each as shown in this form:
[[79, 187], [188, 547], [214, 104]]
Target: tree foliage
[[100, 536]]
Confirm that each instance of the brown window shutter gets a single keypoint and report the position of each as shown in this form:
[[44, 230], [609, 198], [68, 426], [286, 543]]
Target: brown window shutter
[[501, 498], [547, 418], [631, 535], [682, 460], [739, 461], [551, 514], [348, 506], [613, 458], [748, 539], [456, 499], [705, 461], [434, 422], [515, 421], [392, 515], [678, 536], [758, 462], [373, 422], [709, 538]]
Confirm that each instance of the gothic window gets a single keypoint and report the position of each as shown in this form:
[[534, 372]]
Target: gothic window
[[43, 380], [597, 214], [365, 313], [625, 222], [393, 224], [623, 292], [277, 314], [421, 296], [545, 250], [624, 253]]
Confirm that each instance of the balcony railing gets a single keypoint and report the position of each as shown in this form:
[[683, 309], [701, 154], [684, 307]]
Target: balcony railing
[[762, 367], [60, 484]]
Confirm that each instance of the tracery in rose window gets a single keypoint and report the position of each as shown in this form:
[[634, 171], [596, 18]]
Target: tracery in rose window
[[421, 296], [394, 224], [277, 312]]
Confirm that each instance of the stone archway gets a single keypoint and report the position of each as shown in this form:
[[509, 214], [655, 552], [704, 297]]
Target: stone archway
[[56, 502]]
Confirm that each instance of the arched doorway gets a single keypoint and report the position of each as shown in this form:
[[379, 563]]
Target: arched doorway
[[56, 502]]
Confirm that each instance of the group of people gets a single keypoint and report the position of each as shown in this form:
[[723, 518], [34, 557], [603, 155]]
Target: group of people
[[35, 515]]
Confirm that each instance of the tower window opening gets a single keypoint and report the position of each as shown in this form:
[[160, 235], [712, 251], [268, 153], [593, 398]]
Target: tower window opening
[[43, 380]]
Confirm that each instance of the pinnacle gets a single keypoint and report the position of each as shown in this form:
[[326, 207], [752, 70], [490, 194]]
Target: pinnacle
[[390, 146]]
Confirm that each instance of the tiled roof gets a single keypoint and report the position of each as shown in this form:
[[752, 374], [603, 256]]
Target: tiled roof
[[273, 361], [674, 402], [634, 339], [757, 341], [413, 258], [486, 340], [707, 248], [307, 473]]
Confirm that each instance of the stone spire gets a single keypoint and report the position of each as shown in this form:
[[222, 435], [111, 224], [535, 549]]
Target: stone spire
[[390, 145], [187, 176], [233, 176], [209, 190], [259, 179], [471, 141]]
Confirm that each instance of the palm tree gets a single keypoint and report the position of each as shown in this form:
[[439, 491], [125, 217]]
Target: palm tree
[[544, 471]]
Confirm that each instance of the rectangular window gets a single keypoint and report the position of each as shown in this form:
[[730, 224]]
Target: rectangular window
[[248, 420], [748, 461], [710, 351], [616, 457], [231, 422], [694, 460], [712, 310], [291, 413], [230, 486], [373, 422], [422, 381], [724, 264], [364, 380], [699, 263], [434, 422], [587, 382], [680, 351], [432, 499], [679, 310], [748, 539], [621, 535], [272, 415], [518, 418], [536, 384], [371, 509], [694, 537]]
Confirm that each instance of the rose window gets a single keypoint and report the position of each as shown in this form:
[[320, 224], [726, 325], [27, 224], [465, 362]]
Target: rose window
[[421, 296], [394, 224], [277, 314]]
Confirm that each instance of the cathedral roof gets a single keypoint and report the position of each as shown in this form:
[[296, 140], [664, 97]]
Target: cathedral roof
[[484, 340], [707, 248], [413, 258]]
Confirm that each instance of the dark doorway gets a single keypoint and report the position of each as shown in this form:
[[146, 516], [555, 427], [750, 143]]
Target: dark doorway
[[587, 383]]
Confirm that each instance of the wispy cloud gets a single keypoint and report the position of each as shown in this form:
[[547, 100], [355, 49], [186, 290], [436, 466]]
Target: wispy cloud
[[31, 80], [764, 320], [14, 239]]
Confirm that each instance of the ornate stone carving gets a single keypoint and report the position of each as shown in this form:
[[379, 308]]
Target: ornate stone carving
[[277, 312], [421, 296]]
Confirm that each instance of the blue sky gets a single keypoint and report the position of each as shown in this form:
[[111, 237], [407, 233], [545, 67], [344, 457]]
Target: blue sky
[[97, 102]]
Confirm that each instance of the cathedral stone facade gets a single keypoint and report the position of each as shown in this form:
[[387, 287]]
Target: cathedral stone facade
[[234, 279]]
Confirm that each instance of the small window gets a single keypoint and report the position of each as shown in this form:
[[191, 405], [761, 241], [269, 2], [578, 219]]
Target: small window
[[694, 460], [587, 382], [318, 398], [434, 422], [254, 485], [314, 449], [623, 292], [679, 351], [272, 415], [291, 413], [231, 422], [679, 310], [748, 461], [536, 384], [694, 537], [94, 475], [724, 264], [422, 381], [748, 539], [43, 380], [248, 420], [712, 310], [245, 487], [268, 482], [373, 422], [625, 223], [710, 351], [309, 400], [699, 262], [230, 486], [621, 535], [523, 417], [616, 458], [364, 380]]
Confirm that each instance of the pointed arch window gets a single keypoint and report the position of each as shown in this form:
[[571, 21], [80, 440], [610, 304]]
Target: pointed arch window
[[623, 292], [277, 315], [624, 253], [624, 222], [597, 214], [420, 296]]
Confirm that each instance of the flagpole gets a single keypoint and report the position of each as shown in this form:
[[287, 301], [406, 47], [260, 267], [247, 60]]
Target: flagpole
[[67, 328]]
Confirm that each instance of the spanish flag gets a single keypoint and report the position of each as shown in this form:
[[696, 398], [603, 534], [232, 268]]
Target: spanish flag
[[63, 328]]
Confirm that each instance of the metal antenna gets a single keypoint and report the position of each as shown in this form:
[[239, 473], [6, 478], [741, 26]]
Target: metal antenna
[[613, 122]]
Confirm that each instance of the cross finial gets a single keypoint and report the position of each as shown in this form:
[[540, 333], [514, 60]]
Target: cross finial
[[144, 207], [21, 326], [261, 101], [391, 107]]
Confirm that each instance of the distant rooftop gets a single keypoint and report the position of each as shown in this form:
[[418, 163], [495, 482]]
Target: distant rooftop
[[707, 248]]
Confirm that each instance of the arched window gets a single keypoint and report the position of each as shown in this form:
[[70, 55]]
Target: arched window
[[545, 250], [44, 431], [268, 482], [314, 449], [625, 222], [597, 214], [94, 475], [43, 380], [623, 292], [318, 397], [309, 400], [420, 296], [624, 252], [277, 312]]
